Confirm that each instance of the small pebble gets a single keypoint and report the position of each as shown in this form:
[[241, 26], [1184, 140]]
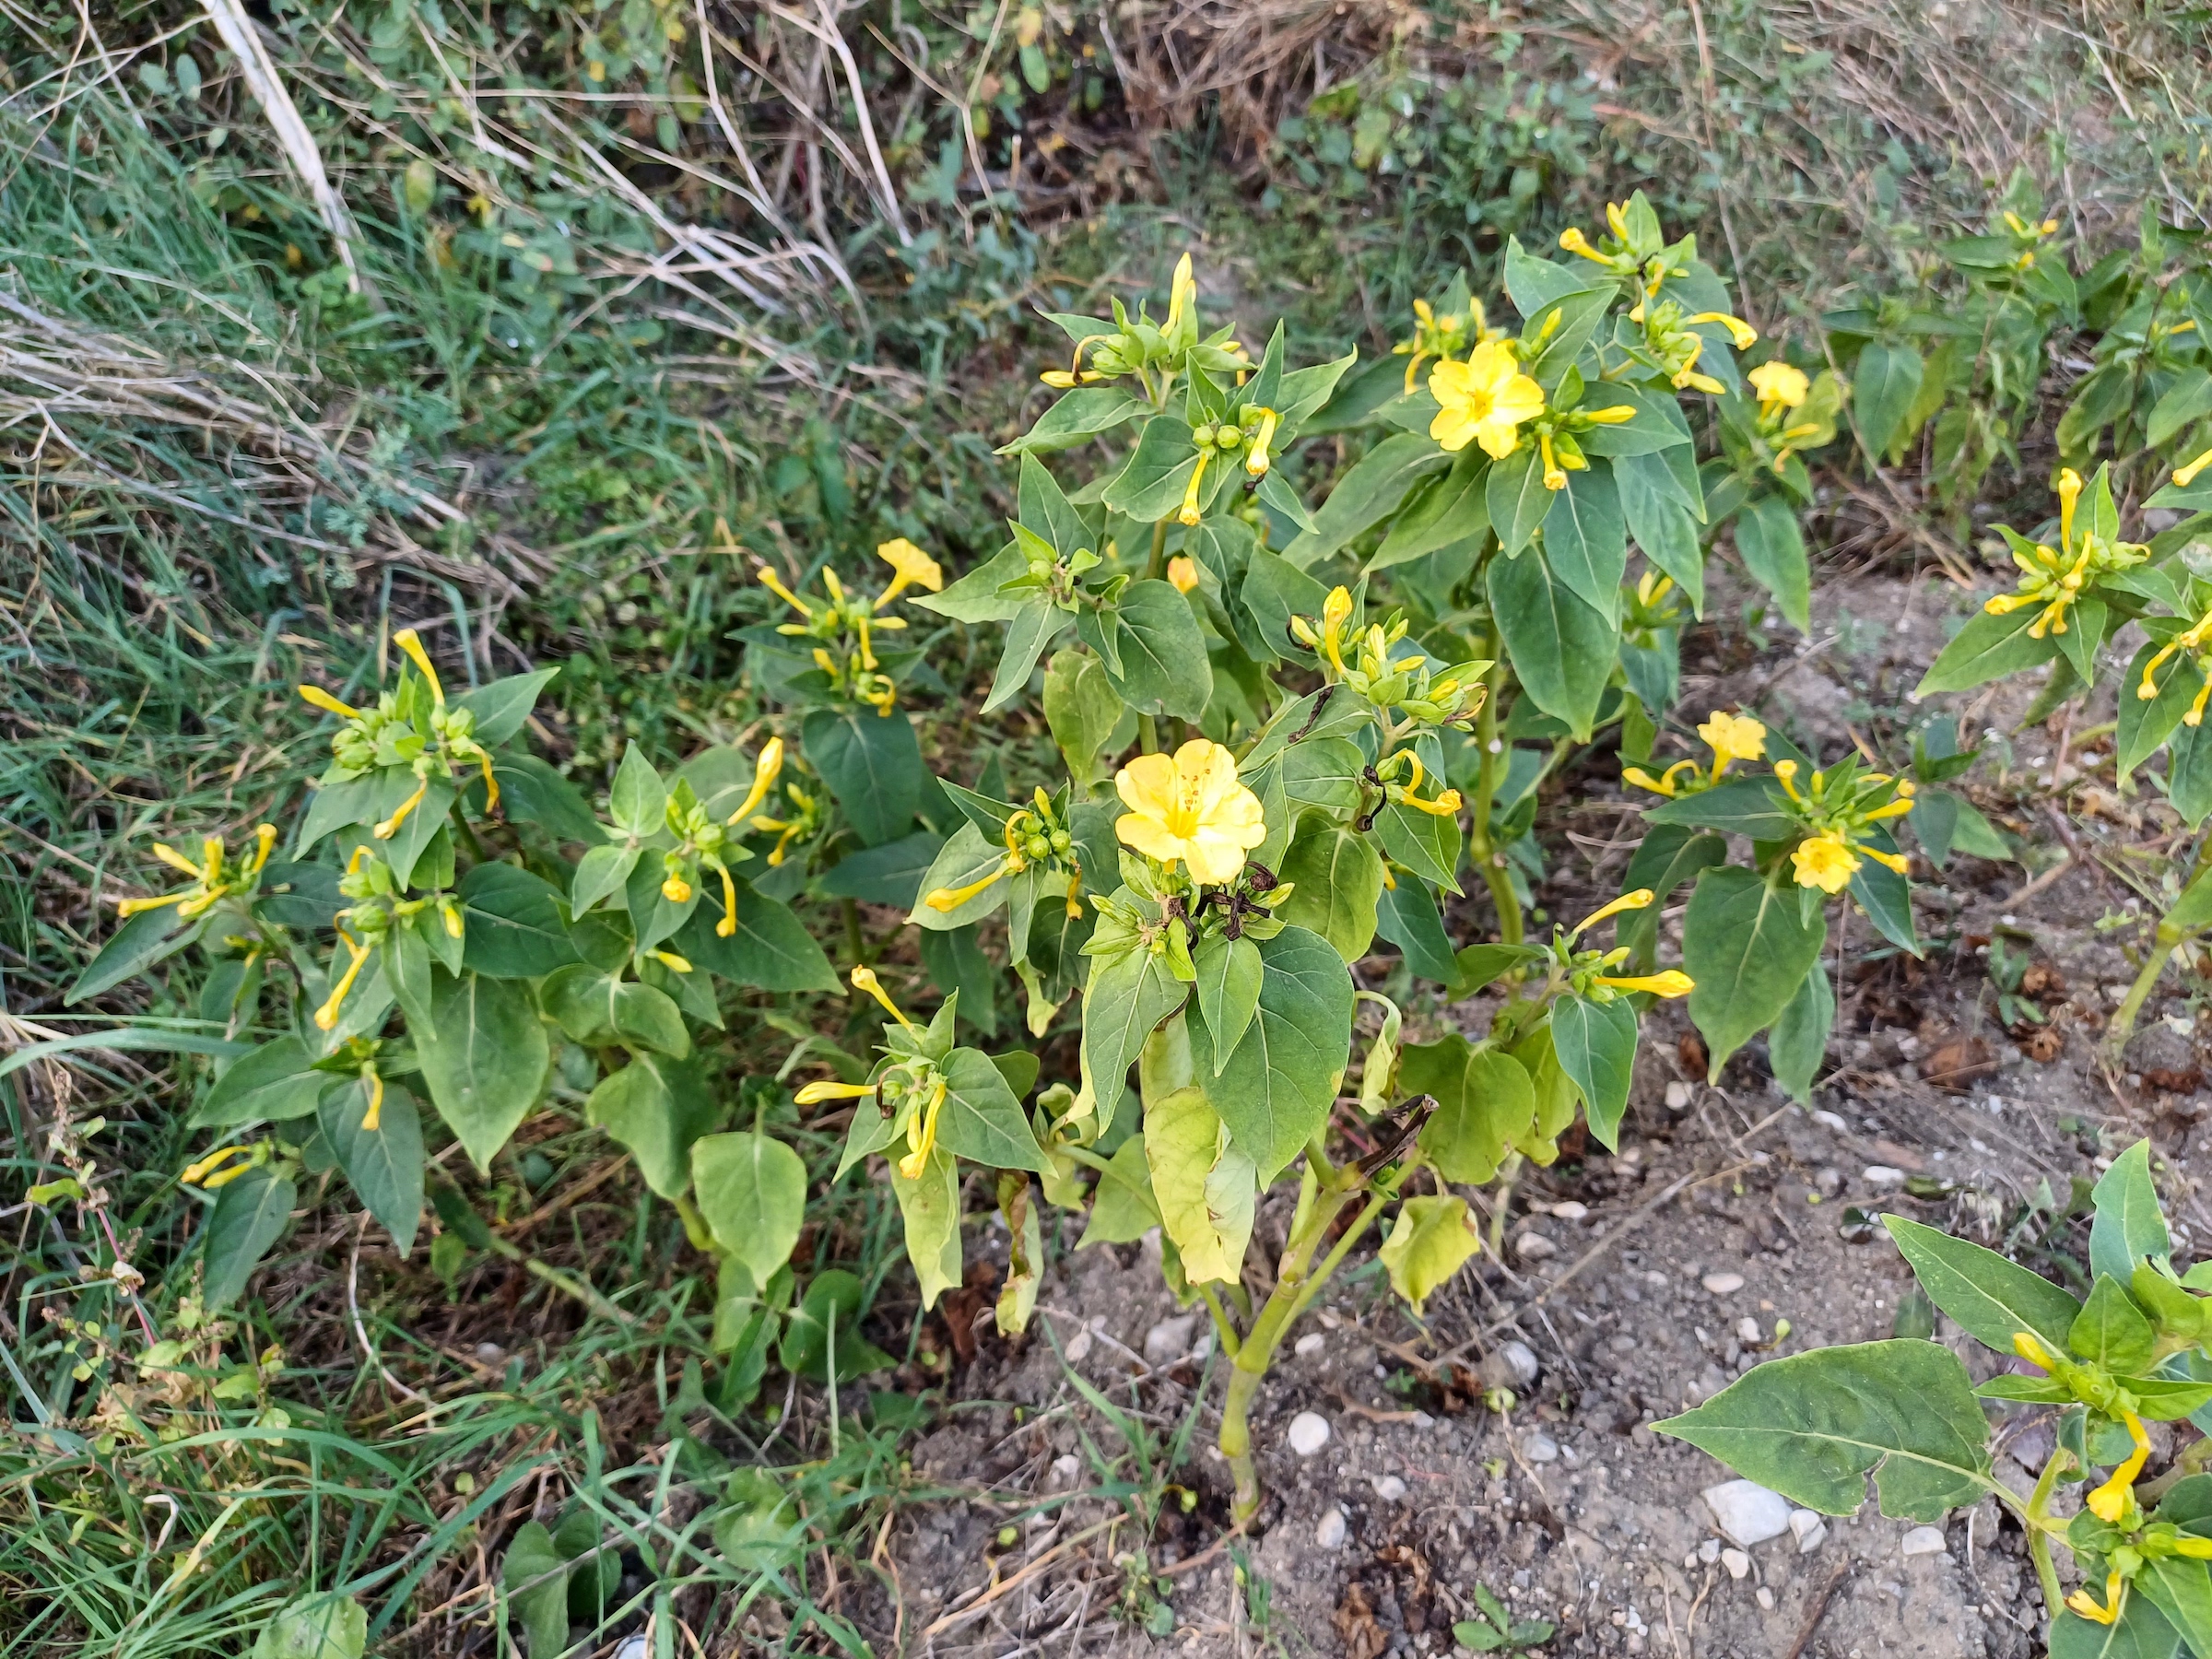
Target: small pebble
[[1709, 1551], [1309, 1345], [1539, 1447], [1329, 1534], [1723, 1284], [1065, 1467], [490, 1353], [1882, 1175], [1746, 1329], [1170, 1339], [1390, 1488], [1921, 1541], [1677, 1096], [634, 1647], [1766, 1598], [1533, 1246], [1571, 1211], [1747, 1513], [1308, 1433], [1078, 1346], [1423, 1421], [1830, 1120], [1511, 1365], [1809, 1529], [1736, 1561]]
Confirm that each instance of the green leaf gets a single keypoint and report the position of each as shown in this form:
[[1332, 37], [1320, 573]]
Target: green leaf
[[1164, 669], [1274, 1089], [1813, 1426], [143, 940], [638, 800], [1479, 964], [2129, 1225], [535, 1579], [1126, 997], [1274, 591], [2111, 1330], [1406, 916], [597, 1009], [1883, 388], [1562, 650], [320, 1624], [1752, 807], [1430, 1240], [1519, 504], [250, 1215], [2180, 1592], [1322, 773], [2187, 401], [1596, 1046], [1122, 1210], [503, 707], [1035, 626], [1152, 482], [1988, 1296], [872, 764], [1662, 528], [1485, 1101], [974, 598], [967, 858], [1455, 507], [1772, 549], [1668, 855], [1586, 540], [828, 1317], [487, 1061], [1571, 319], [1798, 1043], [273, 1082], [1205, 1189], [930, 1205], [1229, 991], [512, 925], [891, 874], [654, 916], [1367, 495], [1747, 945], [1080, 416], [656, 1108], [751, 1189], [1427, 843], [1886, 896], [1082, 707], [983, 1119], [1659, 424], [383, 1164], [770, 950], [1987, 648], [2144, 726], [1340, 879]]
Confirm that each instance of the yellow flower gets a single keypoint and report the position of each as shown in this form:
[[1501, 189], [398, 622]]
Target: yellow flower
[[910, 568], [766, 768], [1485, 400], [864, 979], [1733, 738], [1826, 861], [814, 1094], [1673, 983], [1635, 900], [1190, 807], [1778, 385], [2115, 1598], [2110, 1500], [2186, 474], [1182, 571], [1664, 783]]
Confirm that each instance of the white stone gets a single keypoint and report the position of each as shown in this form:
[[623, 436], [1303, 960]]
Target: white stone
[[1746, 1330], [1329, 1534], [1746, 1512], [1078, 1346], [1921, 1541], [1571, 1211], [1723, 1284], [1390, 1488], [1520, 1362], [1882, 1175], [490, 1353], [634, 1647], [1539, 1447], [1533, 1246], [1308, 1433], [1423, 1421], [1677, 1096], [1709, 1551], [1065, 1467], [1170, 1339], [1311, 1343], [1736, 1561], [1766, 1599], [1809, 1529]]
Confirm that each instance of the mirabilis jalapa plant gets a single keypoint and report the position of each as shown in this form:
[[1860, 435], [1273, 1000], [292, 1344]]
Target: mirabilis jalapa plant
[[1305, 751], [2139, 1349]]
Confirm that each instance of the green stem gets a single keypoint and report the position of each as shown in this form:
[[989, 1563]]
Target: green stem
[[1147, 734], [2039, 1535], [853, 943], [1508, 1173], [1224, 1331], [1481, 850], [2164, 942], [1156, 566], [561, 1281]]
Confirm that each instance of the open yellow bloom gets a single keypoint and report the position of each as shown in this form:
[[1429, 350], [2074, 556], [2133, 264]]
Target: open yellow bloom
[[1733, 738], [1191, 808], [1182, 571], [910, 568], [1485, 400], [1778, 385], [1826, 861], [2115, 1598]]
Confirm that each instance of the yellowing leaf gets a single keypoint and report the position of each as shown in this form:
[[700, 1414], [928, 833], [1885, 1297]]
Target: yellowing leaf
[[1205, 1189], [1431, 1238], [932, 1208]]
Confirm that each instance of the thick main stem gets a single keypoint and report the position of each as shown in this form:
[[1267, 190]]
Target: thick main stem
[[1481, 850]]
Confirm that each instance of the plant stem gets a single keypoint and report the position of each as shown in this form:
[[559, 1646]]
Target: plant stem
[[2164, 942], [853, 943], [1508, 1173], [1147, 734], [2039, 1536], [1481, 850], [1156, 566], [561, 1281]]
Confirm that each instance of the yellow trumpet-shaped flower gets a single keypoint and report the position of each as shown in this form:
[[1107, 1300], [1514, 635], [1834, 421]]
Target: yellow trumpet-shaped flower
[[2185, 475], [1258, 459], [1671, 983], [1664, 783], [774, 584], [2115, 1599], [2069, 494], [921, 1133], [1574, 241], [1444, 806], [1485, 400], [1825, 860], [768, 765], [670, 960], [1733, 738], [1182, 294], [910, 568], [372, 1119], [315, 697], [814, 1094], [196, 1174], [1182, 571], [1741, 332], [1189, 514], [864, 979], [944, 900], [676, 890], [1192, 808], [2110, 1500], [1635, 900], [409, 641], [728, 925], [1778, 385], [390, 827], [326, 1016], [1555, 475]]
